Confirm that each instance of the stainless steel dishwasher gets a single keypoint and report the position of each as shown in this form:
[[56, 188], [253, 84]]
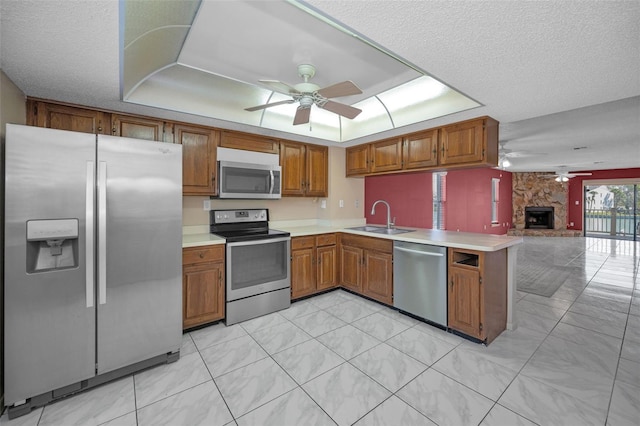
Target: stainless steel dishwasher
[[420, 280]]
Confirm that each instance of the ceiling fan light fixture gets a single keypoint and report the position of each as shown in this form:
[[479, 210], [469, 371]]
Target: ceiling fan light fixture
[[562, 179]]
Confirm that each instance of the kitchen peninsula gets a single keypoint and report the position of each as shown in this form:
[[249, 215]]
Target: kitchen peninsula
[[458, 243]]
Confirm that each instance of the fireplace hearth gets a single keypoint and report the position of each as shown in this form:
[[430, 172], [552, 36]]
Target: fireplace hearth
[[538, 218]]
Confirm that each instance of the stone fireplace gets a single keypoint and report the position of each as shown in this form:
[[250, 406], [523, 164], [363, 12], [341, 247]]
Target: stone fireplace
[[538, 218], [539, 191]]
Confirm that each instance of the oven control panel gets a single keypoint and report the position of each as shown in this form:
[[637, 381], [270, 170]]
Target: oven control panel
[[238, 216]]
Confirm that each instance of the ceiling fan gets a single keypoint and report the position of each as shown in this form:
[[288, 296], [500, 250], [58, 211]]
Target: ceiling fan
[[308, 94], [504, 154], [565, 176]]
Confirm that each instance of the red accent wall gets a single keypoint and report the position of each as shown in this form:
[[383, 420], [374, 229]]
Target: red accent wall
[[467, 204], [410, 196], [574, 211]]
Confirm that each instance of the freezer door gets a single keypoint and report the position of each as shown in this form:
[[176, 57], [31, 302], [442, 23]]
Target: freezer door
[[139, 250], [49, 313]]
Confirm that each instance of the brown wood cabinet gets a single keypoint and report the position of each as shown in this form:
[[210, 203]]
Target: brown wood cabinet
[[199, 168], [469, 143], [386, 156], [304, 169], [420, 150], [203, 292], [141, 128], [313, 264], [477, 293], [366, 266], [64, 117], [377, 157], [249, 142], [472, 143], [358, 159]]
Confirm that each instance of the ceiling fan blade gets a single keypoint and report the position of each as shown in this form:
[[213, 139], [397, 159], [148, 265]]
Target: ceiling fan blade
[[578, 174], [302, 116], [259, 107], [280, 87], [346, 88], [341, 109]]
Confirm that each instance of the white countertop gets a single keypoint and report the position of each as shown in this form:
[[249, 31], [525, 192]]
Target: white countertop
[[197, 240], [463, 240]]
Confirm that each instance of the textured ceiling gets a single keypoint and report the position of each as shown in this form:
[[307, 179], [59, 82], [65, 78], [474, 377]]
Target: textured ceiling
[[557, 75]]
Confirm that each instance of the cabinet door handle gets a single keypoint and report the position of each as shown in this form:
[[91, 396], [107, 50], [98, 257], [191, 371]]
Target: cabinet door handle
[[201, 255], [452, 284]]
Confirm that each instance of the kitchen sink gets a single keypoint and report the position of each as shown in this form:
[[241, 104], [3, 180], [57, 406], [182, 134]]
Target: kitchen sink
[[381, 230]]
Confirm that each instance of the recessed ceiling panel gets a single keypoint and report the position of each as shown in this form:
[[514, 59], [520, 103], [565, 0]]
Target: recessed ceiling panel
[[215, 71], [254, 40]]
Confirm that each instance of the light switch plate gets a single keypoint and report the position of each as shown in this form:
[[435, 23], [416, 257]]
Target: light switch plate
[[206, 205]]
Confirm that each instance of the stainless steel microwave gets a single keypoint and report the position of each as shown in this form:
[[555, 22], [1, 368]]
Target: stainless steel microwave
[[248, 181]]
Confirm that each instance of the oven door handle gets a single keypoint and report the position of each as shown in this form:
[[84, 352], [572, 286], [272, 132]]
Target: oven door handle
[[260, 241]]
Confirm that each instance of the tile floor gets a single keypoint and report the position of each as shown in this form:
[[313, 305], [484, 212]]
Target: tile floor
[[340, 359]]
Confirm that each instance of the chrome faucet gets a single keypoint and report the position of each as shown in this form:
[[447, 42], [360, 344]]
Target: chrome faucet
[[389, 222]]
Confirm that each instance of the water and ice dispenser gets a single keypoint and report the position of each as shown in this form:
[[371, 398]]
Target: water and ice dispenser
[[52, 244]]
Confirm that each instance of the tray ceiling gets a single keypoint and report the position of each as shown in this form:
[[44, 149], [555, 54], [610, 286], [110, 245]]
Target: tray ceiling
[[557, 75]]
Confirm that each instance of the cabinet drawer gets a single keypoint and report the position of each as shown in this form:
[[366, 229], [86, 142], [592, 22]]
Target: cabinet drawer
[[298, 243], [370, 243], [325, 240], [194, 255]]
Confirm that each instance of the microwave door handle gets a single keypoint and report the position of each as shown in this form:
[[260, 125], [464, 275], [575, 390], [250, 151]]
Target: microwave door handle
[[272, 182]]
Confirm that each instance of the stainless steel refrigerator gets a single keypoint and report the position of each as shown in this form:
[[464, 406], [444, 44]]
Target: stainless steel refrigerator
[[93, 263]]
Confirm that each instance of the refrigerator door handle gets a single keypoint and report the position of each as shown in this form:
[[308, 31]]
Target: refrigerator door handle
[[102, 232], [89, 243]]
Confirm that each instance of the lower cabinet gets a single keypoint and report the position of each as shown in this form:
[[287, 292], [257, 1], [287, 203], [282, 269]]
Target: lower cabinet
[[202, 285], [366, 266], [477, 293], [313, 264]]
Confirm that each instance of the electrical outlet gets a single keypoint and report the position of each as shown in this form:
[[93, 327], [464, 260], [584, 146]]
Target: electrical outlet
[[323, 204], [357, 203], [341, 203], [206, 205]]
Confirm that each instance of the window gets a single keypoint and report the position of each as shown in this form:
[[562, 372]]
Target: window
[[439, 182], [495, 199]]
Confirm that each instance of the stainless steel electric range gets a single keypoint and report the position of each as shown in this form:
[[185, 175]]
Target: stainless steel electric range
[[258, 271]]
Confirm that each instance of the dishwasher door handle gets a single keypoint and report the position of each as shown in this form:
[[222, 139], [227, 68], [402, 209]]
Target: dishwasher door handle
[[425, 253]]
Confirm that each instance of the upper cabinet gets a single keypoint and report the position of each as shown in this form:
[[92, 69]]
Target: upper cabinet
[[469, 142], [249, 142], [358, 159], [63, 117], [386, 155], [377, 157], [199, 168], [304, 169], [472, 143], [141, 128], [420, 150]]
